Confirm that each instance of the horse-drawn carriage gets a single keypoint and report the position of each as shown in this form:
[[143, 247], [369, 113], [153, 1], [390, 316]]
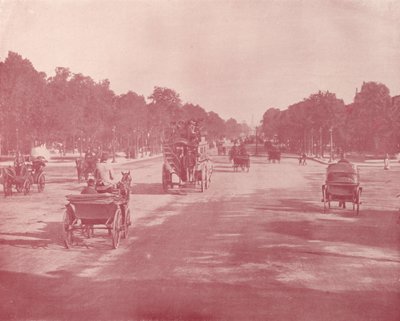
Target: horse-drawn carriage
[[274, 155], [25, 172], [108, 209], [240, 158], [189, 163], [342, 184], [241, 161]]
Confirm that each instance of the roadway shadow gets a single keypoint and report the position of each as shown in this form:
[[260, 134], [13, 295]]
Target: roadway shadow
[[50, 234], [147, 189]]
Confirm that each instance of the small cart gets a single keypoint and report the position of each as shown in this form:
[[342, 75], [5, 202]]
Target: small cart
[[87, 212]]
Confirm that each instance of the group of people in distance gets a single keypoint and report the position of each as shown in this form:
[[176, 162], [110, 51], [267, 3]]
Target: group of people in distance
[[188, 130]]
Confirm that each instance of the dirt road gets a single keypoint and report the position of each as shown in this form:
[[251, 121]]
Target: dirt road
[[254, 246]]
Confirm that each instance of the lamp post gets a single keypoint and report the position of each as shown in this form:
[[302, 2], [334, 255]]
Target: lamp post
[[256, 141], [113, 144], [17, 136], [331, 144]]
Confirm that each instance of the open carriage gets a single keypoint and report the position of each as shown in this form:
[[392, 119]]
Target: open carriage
[[89, 212], [342, 184]]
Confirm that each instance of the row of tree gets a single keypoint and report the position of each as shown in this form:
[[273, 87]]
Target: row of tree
[[76, 112], [371, 123]]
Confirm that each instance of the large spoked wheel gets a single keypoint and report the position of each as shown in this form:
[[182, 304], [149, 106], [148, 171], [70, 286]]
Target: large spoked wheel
[[203, 178], [66, 228], [324, 197], [126, 224], [166, 179], [358, 200], [116, 229], [26, 187], [41, 183], [19, 187]]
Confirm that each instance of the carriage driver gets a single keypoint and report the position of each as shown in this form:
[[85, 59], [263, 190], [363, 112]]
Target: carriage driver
[[104, 173]]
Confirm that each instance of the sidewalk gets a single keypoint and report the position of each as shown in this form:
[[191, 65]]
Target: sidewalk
[[70, 161], [367, 163]]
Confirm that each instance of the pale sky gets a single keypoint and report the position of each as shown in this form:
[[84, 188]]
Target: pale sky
[[237, 58]]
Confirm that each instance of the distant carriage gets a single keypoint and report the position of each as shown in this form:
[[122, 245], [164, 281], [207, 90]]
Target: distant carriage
[[188, 163], [85, 167], [342, 184], [274, 155], [240, 159]]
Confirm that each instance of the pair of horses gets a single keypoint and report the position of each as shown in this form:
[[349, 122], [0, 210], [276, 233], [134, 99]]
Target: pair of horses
[[18, 176]]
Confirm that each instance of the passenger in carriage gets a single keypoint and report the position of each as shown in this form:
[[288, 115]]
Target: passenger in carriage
[[105, 177], [90, 188]]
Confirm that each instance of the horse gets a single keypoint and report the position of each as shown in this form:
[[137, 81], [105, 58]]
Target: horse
[[85, 167], [124, 185], [190, 164]]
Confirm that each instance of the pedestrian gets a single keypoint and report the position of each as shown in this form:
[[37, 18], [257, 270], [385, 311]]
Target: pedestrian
[[386, 162]]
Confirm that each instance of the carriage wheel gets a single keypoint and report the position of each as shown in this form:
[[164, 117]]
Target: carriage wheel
[[66, 229], [166, 179], [358, 202], [27, 186], [324, 197], [126, 224], [41, 183], [203, 180], [116, 229], [19, 187]]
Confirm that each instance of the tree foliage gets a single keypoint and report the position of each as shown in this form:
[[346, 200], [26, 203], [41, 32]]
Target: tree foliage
[[76, 111]]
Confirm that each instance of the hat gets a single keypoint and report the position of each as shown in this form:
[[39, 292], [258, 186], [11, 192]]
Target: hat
[[90, 181]]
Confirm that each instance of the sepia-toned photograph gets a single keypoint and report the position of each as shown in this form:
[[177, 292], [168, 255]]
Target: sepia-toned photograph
[[200, 160]]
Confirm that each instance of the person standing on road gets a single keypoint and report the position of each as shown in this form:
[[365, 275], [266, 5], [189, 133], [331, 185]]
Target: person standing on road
[[386, 162]]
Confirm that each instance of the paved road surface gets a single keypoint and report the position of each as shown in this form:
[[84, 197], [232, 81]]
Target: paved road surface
[[254, 246]]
